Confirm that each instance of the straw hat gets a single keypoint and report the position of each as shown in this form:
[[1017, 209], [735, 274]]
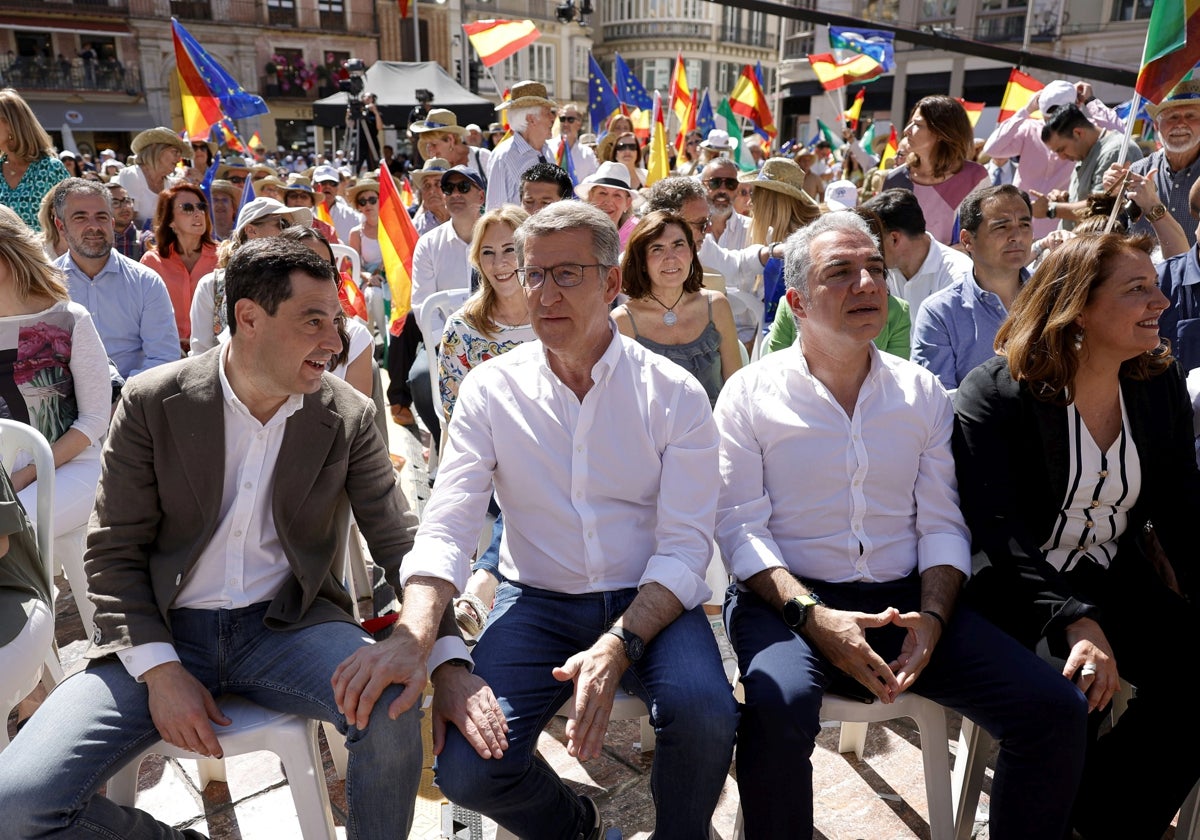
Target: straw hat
[[299, 182], [260, 208], [780, 175], [1184, 93], [527, 94], [259, 171], [228, 188], [162, 135], [270, 181], [365, 185], [233, 163], [433, 166], [439, 119]]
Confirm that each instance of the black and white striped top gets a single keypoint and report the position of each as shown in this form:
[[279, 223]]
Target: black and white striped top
[[1101, 489]]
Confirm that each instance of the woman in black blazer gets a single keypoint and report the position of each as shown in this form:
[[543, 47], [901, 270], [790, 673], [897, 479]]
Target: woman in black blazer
[[1077, 473]]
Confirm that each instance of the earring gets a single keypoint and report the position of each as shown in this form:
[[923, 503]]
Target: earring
[[1078, 341]]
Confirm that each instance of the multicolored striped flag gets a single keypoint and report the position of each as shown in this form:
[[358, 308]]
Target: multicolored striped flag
[[892, 147], [407, 196], [974, 110], [1172, 47], [748, 100], [209, 93], [322, 210], [744, 162], [496, 40], [833, 74], [255, 141], [659, 165], [397, 240], [1021, 88], [229, 137], [563, 158]]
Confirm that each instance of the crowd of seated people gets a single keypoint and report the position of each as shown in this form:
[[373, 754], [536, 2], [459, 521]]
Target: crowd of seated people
[[964, 471]]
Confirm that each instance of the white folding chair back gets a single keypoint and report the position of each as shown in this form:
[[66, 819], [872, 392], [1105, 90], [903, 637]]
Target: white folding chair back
[[432, 318], [16, 437], [747, 306], [345, 252]]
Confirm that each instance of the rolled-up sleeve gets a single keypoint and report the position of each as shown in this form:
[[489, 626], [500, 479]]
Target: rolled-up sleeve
[[942, 537]]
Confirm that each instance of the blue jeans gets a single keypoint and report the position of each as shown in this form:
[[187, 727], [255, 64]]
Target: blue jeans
[[1038, 717], [489, 561], [98, 720], [680, 678]]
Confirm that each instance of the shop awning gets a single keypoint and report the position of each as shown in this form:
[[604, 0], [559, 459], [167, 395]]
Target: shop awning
[[94, 116]]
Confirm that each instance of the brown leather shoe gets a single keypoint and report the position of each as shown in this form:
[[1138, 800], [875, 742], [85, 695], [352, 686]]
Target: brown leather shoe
[[402, 415]]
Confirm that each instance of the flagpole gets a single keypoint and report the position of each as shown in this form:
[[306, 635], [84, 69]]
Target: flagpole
[[1134, 104], [416, 30], [778, 94]]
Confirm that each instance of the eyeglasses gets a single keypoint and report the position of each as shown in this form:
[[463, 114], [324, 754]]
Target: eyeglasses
[[700, 225], [627, 147], [122, 202], [450, 187], [189, 208], [237, 179], [568, 119], [565, 275], [370, 199], [722, 183]]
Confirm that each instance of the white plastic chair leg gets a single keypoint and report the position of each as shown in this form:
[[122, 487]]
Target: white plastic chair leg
[[853, 738], [336, 742], [931, 723], [966, 779]]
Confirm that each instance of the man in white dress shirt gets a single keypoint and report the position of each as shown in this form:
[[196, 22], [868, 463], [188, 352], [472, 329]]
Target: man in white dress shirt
[[603, 456], [848, 580], [583, 159], [531, 114]]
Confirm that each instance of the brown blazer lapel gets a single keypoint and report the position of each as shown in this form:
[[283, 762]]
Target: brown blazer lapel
[[195, 418]]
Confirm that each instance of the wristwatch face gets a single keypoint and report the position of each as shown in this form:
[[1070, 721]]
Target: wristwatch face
[[1156, 212], [795, 611], [634, 647]]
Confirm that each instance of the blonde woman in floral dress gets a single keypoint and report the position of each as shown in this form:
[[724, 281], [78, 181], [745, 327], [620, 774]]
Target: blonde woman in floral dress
[[494, 320], [53, 374]]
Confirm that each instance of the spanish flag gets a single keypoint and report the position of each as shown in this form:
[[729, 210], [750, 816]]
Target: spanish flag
[[974, 110], [496, 40], [1172, 47], [681, 94], [255, 141], [748, 100], [852, 113], [1021, 88], [833, 74], [407, 197], [892, 147], [322, 210], [397, 240], [201, 108], [229, 137], [659, 165]]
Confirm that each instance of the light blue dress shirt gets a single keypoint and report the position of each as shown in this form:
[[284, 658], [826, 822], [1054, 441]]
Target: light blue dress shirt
[[131, 309]]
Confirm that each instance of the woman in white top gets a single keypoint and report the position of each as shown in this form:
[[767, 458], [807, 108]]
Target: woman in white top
[[364, 238]]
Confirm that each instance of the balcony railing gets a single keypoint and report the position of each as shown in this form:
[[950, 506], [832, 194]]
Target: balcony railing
[[114, 7], [748, 37], [999, 28], [26, 73], [658, 29]]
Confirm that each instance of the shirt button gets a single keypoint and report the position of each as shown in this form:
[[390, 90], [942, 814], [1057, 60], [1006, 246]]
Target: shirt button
[[1091, 524], [589, 535], [578, 448], [233, 581], [1081, 547], [578, 494], [237, 533], [247, 485], [1095, 504], [1104, 473]]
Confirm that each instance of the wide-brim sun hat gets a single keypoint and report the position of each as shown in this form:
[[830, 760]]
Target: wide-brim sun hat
[[160, 135], [365, 185], [527, 94], [233, 163], [780, 175], [261, 208], [1184, 93], [433, 166], [439, 119], [228, 188], [609, 174], [270, 181]]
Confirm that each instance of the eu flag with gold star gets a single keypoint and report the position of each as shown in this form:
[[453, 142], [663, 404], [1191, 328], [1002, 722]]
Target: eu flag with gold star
[[602, 99]]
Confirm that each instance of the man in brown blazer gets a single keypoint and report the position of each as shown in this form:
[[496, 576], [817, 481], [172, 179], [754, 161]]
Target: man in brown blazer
[[211, 560]]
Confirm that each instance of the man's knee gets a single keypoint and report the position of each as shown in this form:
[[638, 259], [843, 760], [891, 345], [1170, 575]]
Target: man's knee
[[709, 717], [473, 782]]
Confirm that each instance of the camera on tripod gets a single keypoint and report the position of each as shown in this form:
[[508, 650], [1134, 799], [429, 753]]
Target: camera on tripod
[[353, 86]]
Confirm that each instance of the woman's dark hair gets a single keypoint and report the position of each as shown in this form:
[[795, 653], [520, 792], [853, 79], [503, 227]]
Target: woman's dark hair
[[164, 236], [955, 142], [635, 278]]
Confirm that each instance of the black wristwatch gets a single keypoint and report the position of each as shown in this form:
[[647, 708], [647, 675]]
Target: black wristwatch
[[797, 610], [634, 646]]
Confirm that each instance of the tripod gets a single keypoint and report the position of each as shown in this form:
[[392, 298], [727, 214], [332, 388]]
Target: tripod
[[358, 132]]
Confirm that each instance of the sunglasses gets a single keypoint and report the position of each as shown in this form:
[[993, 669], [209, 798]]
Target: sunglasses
[[370, 199], [200, 148], [189, 208], [450, 187], [627, 147], [722, 183], [568, 119], [237, 179]]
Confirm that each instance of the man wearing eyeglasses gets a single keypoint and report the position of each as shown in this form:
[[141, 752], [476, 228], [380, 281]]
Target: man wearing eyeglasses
[[583, 159], [603, 457], [125, 233]]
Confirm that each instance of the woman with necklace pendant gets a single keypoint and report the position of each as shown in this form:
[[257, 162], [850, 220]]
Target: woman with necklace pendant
[[668, 310], [27, 159], [184, 251]]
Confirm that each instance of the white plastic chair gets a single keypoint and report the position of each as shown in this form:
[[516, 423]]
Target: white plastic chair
[[20, 437], [931, 724], [432, 318], [345, 252], [291, 737]]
